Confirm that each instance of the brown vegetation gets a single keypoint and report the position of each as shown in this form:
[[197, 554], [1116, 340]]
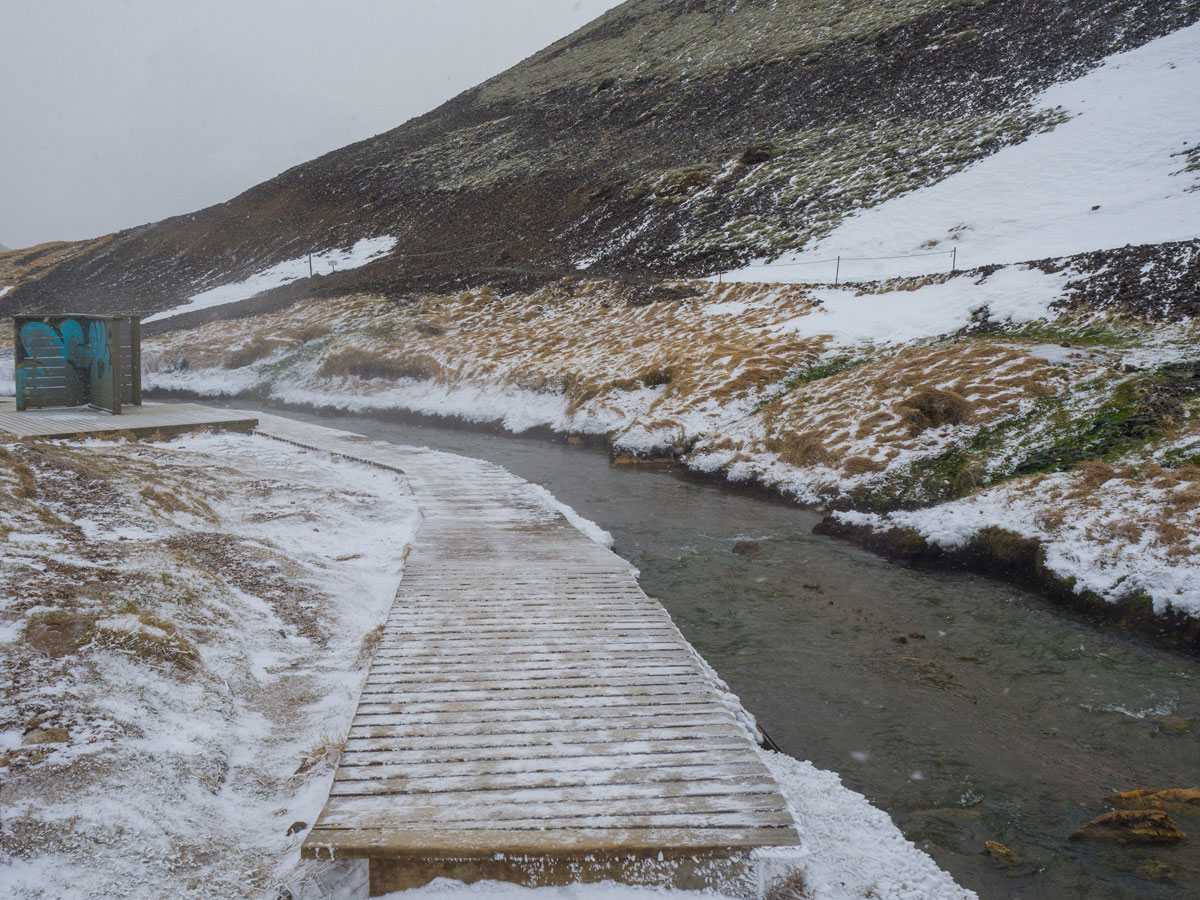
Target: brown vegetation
[[250, 352], [932, 407]]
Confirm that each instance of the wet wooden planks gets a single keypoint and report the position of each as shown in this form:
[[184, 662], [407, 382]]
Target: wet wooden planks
[[529, 701], [144, 419]]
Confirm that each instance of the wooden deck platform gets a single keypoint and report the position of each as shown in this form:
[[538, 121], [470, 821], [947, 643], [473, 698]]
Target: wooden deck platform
[[531, 715], [168, 418]]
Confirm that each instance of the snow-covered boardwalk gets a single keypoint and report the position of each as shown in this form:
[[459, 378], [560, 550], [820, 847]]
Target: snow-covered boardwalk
[[531, 715]]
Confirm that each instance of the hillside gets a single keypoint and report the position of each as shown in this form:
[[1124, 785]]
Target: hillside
[[665, 139]]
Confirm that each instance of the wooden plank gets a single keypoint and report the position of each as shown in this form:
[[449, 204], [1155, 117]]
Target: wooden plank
[[360, 780], [398, 842]]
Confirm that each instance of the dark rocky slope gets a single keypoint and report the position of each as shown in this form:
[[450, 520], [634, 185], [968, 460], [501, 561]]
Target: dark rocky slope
[[665, 138]]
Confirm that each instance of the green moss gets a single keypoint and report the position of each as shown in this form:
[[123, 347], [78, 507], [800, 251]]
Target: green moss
[[1122, 424], [386, 331], [813, 372], [1083, 335], [305, 352], [676, 184], [824, 369], [656, 40]]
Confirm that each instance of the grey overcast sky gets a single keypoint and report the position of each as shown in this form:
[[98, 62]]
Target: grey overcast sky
[[121, 112]]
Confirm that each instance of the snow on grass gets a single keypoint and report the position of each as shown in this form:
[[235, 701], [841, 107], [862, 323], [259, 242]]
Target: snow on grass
[[363, 252], [1117, 534], [201, 713], [4, 290], [1114, 174], [1014, 294], [216, 667]]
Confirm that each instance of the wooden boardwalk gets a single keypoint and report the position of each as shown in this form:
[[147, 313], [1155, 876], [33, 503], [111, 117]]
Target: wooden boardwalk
[[148, 418], [531, 715]]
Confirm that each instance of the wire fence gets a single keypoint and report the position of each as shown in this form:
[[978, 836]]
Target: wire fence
[[836, 260]]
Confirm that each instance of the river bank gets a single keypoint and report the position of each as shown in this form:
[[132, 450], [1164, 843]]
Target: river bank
[[1033, 400]]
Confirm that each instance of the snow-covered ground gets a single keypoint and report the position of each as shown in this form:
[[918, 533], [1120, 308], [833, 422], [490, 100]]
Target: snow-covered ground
[[1013, 295], [363, 252], [219, 589], [1113, 174]]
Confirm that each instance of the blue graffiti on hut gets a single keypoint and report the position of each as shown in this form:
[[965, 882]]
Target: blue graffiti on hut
[[77, 361]]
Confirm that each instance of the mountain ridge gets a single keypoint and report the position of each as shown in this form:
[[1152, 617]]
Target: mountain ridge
[[655, 173]]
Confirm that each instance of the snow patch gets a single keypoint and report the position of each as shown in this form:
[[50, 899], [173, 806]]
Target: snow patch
[[1111, 175], [1014, 294], [587, 526], [363, 252]]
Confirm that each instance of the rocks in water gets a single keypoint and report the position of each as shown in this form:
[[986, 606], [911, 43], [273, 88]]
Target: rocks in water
[[747, 548], [1175, 724], [1156, 870], [1135, 826], [997, 850], [1180, 799], [575, 440]]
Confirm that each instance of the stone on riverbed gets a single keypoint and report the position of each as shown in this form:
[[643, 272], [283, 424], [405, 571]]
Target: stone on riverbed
[[1137, 826], [997, 850], [1179, 799]]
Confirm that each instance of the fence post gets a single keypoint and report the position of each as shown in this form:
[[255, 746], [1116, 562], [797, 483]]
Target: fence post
[[953, 259], [837, 270]]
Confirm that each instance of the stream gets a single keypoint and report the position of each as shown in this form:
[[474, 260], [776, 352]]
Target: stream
[[969, 710]]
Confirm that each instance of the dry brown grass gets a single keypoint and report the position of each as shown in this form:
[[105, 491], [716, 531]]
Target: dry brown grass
[[370, 644], [932, 407], [800, 449], [322, 757], [250, 352], [1093, 473], [161, 643], [310, 331], [26, 486], [862, 465]]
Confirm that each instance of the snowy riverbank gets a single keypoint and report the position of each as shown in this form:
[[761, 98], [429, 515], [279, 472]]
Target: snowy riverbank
[[985, 400]]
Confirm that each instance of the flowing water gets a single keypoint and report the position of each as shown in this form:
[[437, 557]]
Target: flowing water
[[967, 709]]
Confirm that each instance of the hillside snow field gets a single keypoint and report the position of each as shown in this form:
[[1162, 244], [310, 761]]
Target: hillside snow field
[[1123, 169], [324, 263]]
